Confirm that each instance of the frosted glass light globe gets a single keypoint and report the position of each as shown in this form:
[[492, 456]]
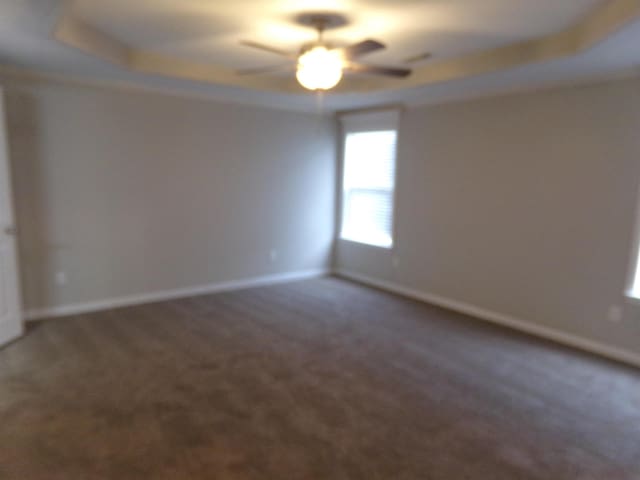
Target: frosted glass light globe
[[319, 69]]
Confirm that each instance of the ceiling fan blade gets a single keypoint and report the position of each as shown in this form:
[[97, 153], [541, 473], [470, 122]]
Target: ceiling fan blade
[[418, 58], [270, 69], [361, 48], [377, 70], [267, 48]]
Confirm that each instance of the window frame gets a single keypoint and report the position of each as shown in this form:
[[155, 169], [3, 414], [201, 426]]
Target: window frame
[[365, 122], [634, 262]]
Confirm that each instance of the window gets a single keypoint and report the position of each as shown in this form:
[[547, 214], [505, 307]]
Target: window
[[633, 290], [369, 178]]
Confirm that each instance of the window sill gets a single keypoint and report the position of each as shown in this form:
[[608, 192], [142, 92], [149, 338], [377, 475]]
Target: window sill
[[370, 245]]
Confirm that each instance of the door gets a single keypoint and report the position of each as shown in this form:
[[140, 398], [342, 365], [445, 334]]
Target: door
[[10, 306]]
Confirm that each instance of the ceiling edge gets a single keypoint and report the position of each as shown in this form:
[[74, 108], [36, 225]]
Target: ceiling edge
[[20, 76], [77, 34], [593, 29]]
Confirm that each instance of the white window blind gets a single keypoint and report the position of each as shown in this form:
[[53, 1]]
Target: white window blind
[[633, 290], [368, 184]]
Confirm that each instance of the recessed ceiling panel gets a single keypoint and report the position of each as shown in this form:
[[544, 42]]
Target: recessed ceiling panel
[[210, 31]]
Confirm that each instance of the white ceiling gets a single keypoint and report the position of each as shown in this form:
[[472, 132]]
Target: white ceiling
[[210, 31]]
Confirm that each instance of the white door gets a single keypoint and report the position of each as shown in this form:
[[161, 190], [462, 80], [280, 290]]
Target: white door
[[10, 307]]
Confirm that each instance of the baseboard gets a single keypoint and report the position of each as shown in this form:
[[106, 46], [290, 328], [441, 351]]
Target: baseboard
[[9, 332], [130, 300], [591, 346]]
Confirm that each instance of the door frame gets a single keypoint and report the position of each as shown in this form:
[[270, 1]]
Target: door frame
[[14, 326]]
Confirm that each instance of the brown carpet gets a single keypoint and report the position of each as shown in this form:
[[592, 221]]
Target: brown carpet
[[322, 379]]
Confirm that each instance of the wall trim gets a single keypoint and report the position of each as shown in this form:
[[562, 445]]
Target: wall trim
[[10, 73], [9, 332], [549, 333], [522, 325], [151, 297], [13, 73]]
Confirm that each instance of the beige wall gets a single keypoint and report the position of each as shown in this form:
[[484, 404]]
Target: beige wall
[[130, 193], [523, 205]]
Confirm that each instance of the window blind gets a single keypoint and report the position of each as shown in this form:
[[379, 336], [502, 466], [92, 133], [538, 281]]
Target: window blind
[[368, 187]]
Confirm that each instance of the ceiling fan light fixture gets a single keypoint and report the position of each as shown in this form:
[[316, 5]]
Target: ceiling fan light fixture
[[319, 68]]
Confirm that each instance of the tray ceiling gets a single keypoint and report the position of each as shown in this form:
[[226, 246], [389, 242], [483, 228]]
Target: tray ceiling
[[209, 31], [478, 46]]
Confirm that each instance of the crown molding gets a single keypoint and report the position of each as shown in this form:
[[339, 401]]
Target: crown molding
[[17, 77]]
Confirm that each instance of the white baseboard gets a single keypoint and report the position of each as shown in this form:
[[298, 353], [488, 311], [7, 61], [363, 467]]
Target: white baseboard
[[531, 328], [130, 300], [10, 331]]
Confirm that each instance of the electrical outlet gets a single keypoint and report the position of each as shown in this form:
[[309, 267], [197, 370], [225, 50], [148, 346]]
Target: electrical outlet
[[273, 255], [615, 314], [61, 278]]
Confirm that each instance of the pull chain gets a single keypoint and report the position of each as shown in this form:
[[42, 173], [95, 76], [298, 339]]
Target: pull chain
[[320, 102]]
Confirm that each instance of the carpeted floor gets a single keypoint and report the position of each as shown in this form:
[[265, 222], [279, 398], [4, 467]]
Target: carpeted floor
[[322, 379]]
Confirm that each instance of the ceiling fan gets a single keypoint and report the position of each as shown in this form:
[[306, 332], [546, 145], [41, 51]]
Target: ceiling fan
[[319, 66]]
